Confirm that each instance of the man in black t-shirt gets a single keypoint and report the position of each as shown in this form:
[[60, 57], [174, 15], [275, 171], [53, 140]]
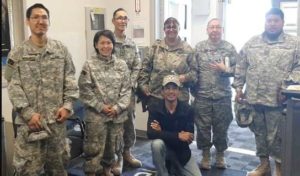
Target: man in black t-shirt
[[171, 126]]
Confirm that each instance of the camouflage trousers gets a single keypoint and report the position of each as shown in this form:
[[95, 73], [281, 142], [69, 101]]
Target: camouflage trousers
[[129, 135], [212, 119], [100, 144], [266, 126], [50, 155]]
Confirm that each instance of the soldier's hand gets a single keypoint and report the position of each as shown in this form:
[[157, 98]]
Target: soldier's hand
[[146, 91], [217, 66], [280, 97], [62, 114], [182, 78], [106, 109], [112, 113], [35, 124], [239, 97]]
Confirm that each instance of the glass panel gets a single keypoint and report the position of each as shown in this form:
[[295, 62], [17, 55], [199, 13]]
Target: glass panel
[[244, 19], [290, 10]]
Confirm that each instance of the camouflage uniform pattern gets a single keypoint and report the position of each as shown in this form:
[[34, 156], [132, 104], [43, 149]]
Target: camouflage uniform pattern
[[103, 81], [30, 157], [101, 141], [267, 126], [213, 94], [264, 67], [129, 52], [162, 61], [41, 81]]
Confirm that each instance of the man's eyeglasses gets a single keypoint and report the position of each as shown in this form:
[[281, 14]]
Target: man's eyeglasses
[[215, 27], [37, 18], [121, 18]]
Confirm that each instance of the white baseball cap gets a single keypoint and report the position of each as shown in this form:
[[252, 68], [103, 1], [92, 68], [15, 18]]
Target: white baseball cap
[[171, 79]]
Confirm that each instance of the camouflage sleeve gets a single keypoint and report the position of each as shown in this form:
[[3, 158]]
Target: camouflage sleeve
[[13, 56], [145, 73], [294, 75], [191, 75], [136, 67], [240, 70], [125, 92], [86, 89], [70, 86], [17, 96]]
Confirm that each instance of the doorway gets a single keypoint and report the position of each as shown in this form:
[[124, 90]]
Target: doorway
[[244, 19]]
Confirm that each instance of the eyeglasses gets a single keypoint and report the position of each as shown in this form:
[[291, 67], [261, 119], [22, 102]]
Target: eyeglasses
[[122, 18], [37, 18], [173, 27], [215, 27]]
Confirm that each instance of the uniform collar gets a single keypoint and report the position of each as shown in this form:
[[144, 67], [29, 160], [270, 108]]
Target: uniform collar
[[165, 46], [106, 59], [280, 38]]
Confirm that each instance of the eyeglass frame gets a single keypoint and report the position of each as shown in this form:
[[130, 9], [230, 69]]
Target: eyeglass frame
[[215, 27], [122, 18], [36, 18]]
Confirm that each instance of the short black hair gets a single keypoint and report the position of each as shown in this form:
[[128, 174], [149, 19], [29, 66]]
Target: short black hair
[[116, 11], [34, 6], [106, 33], [170, 19], [275, 11]]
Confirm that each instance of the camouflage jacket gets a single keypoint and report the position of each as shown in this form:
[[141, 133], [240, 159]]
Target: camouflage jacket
[[129, 52], [107, 82], [41, 81], [264, 67], [214, 84], [162, 61]]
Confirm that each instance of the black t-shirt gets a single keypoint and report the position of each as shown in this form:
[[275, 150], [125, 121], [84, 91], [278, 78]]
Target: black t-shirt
[[171, 124]]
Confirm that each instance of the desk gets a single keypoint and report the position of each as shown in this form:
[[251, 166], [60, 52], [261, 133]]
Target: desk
[[291, 135]]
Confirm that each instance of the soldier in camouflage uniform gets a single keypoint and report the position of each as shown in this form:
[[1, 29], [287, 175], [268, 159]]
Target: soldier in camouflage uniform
[[42, 88], [169, 56], [105, 90], [267, 62], [216, 60], [126, 49]]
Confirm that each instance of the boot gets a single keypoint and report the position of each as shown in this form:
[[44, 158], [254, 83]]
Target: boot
[[278, 168], [220, 161], [263, 169], [205, 162], [117, 166], [131, 160]]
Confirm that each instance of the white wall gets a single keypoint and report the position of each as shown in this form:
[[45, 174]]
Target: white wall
[[67, 24], [199, 21], [67, 19]]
